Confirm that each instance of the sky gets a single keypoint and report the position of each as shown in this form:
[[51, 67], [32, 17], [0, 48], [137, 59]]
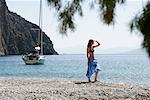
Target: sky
[[114, 38]]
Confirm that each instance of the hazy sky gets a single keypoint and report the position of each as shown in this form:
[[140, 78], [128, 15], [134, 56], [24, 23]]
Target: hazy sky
[[113, 39]]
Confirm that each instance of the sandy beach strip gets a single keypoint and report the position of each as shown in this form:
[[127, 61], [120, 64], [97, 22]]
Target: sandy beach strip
[[54, 89]]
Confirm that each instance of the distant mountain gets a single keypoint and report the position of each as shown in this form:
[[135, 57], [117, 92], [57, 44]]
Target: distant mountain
[[16, 36], [81, 49], [139, 51]]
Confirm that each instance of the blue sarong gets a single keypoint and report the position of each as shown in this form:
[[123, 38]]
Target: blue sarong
[[92, 68]]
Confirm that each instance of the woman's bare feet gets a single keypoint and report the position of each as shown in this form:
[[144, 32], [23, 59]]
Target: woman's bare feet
[[95, 80]]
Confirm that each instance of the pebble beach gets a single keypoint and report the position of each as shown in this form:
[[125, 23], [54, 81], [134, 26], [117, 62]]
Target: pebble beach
[[14, 88]]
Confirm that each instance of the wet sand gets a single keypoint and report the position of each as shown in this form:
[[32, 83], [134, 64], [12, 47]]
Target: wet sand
[[54, 89]]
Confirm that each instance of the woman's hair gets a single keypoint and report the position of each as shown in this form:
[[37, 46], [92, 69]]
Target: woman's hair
[[90, 43]]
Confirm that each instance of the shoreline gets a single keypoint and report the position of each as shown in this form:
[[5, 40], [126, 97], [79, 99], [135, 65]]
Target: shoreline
[[19, 88]]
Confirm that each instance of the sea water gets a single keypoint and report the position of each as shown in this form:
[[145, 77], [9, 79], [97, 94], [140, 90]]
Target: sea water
[[115, 68]]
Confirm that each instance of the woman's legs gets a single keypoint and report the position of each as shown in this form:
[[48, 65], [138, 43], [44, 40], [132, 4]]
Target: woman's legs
[[89, 79], [96, 75]]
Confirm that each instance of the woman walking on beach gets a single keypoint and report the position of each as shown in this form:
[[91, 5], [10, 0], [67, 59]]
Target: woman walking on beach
[[92, 63]]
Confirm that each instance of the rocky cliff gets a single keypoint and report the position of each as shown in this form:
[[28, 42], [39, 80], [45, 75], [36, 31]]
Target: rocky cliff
[[17, 36]]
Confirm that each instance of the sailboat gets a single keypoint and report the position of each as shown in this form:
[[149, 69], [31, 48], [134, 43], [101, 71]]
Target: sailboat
[[36, 58]]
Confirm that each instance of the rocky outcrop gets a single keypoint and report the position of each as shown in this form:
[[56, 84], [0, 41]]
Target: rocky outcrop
[[2, 25], [17, 35]]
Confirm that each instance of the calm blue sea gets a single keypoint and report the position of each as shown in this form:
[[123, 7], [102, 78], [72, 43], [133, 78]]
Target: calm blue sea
[[115, 68]]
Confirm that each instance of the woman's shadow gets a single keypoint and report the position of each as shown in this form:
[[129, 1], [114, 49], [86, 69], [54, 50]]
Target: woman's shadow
[[84, 82]]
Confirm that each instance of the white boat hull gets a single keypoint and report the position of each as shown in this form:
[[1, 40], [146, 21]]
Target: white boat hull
[[33, 60]]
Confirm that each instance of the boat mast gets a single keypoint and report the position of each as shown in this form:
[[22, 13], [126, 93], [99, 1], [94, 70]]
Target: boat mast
[[41, 25]]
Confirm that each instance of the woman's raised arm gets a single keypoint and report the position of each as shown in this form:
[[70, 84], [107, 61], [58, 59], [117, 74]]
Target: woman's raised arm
[[98, 44]]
